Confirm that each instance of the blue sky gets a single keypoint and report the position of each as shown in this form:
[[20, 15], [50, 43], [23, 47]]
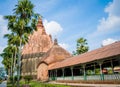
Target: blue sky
[[96, 20]]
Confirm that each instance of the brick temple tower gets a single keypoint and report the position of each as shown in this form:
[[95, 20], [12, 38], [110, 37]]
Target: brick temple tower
[[40, 52], [38, 44]]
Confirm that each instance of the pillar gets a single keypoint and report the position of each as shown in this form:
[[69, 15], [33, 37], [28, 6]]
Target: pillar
[[101, 73], [51, 75], [112, 66], [56, 74], [72, 72], [94, 68], [85, 78], [63, 73]]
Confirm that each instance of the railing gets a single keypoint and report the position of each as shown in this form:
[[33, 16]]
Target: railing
[[91, 77], [112, 77], [68, 78], [60, 78], [78, 77]]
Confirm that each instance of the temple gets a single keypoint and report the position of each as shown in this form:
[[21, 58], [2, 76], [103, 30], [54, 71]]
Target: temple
[[38, 51], [45, 60]]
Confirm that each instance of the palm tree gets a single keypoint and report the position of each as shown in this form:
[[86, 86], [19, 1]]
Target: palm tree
[[22, 21], [6, 62], [8, 59], [14, 41], [82, 46]]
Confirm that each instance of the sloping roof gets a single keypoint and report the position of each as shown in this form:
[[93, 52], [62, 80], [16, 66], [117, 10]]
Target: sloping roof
[[55, 54], [101, 53]]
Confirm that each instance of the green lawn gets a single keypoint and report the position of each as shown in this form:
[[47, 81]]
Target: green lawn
[[38, 84]]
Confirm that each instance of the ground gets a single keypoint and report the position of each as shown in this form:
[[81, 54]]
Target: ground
[[3, 84]]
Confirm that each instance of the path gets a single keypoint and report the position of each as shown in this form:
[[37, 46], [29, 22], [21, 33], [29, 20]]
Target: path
[[88, 85], [3, 84]]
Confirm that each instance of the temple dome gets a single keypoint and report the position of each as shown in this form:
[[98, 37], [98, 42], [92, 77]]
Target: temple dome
[[55, 54]]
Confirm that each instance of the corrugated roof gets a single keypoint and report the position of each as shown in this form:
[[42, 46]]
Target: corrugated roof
[[101, 53]]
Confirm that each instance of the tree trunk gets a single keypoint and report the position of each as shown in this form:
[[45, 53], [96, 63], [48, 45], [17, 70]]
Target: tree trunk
[[19, 63], [14, 67], [11, 66]]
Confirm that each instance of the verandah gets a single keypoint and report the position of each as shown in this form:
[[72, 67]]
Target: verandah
[[107, 69]]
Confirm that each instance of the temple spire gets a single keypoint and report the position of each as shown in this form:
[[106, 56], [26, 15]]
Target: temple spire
[[40, 26], [55, 42]]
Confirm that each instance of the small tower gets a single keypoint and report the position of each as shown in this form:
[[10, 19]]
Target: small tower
[[55, 41]]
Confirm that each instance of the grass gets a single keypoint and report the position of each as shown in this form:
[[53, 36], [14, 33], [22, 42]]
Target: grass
[[37, 84], [9, 84]]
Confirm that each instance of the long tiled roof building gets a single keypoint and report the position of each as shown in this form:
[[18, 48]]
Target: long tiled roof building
[[99, 64]]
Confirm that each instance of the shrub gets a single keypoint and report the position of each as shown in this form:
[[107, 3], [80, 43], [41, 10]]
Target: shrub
[[11, 79], [0, 80], [15, 77], [28, 78], [97, 71]]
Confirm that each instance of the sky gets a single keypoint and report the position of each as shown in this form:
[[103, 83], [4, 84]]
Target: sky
[[98, 21]]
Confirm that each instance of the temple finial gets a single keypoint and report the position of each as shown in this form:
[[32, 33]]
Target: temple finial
[[40, 24], [55, 41]]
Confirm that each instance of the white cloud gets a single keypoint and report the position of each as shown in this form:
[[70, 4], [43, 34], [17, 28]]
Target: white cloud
[[108, 41], [52, 27], [3, 26], [113, 8], [112, 22], [65, 46]]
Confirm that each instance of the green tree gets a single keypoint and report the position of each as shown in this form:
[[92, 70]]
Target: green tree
[[23, 21], [7, 56], [82, 46], [14, 40]]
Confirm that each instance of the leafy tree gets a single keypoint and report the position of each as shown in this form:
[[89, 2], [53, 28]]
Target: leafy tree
[[82, 46], [22, 22], [14, 41], [7, 56]]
